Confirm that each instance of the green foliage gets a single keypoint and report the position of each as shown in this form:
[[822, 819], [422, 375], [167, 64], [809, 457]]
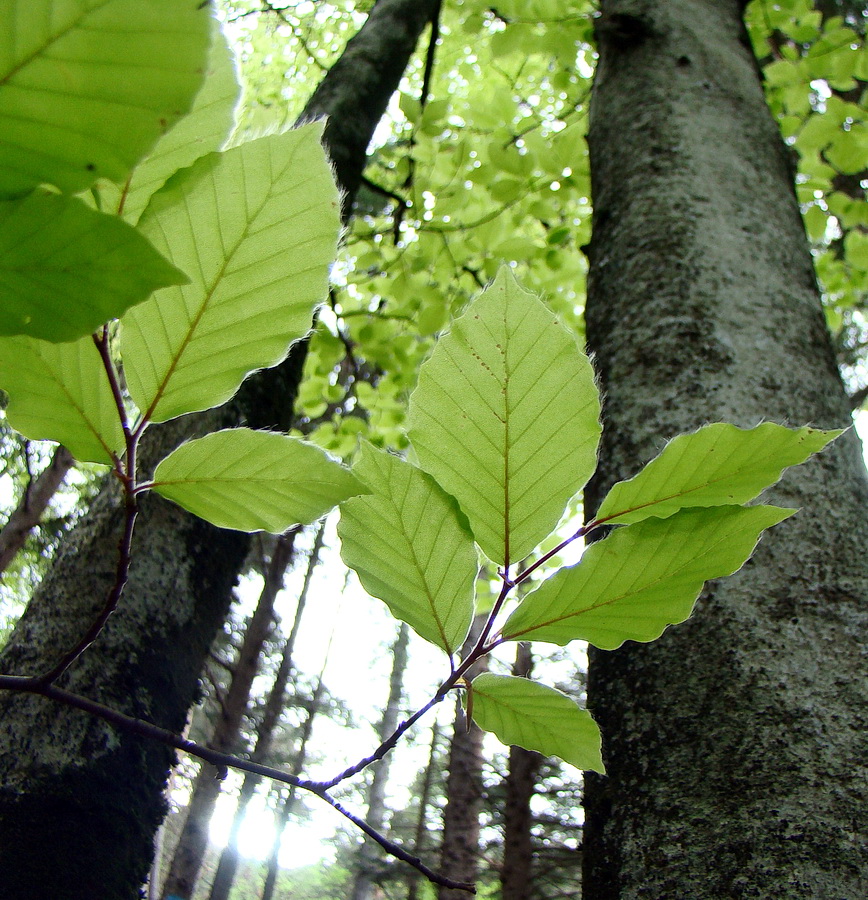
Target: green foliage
[[256, 226], [76, 108], [55, 246], [506, 418], [60, 392], [522, 712], [410, 547], [253, 480]]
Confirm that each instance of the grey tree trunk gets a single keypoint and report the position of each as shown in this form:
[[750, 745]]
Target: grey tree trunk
[[34, 500], [516, 871], [419, 842], [229, 857], [72, 784], [736, 744], [376, 813], [459, 851], [193, 841]]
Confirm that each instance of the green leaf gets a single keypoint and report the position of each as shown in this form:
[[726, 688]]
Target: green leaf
[[87, 86], [60, 392], [66, 269], [536, 717], [506, 418], [203, 130], [717, 465], [254, 480], [409, 546], [256, 227], [641, 578]]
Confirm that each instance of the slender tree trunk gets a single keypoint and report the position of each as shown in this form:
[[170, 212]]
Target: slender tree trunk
[[376, 814], [229, 858], [67, 782], [515, 874], [193, 841], [736, 744], [36, 497], [459, 851], [285, 809], [422, 819]]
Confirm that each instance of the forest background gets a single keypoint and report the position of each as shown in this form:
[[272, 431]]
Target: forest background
[[482, 160]]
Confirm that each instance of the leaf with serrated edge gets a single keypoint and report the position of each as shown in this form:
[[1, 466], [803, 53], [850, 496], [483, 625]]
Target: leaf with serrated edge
[[66, 269], [536, 717], [506, 418], [256, 228], [641, 578], [203, 130], [60, 392], [717, 465], [87, 86], [254, 480], [409, 547]]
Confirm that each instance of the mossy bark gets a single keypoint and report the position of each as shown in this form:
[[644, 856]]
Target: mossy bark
[[736, 744]]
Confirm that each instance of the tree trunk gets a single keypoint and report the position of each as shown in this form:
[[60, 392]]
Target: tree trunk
[[376, 814], [36, 497], [193, 841], [735, 745], [72, 784], [431, 770], [229, 858], [459, 851], [515, 874]]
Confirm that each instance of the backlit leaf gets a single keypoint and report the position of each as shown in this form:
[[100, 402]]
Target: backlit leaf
[[714, 466], [87, 86], [66, 269], [506, 418], [254, 480], [410, 548], [60, 392], [536, 717], [256, 227], [641, 578]]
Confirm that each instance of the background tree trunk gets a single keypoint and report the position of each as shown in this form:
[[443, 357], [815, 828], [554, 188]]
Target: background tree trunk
[[73, 784], [515, 874], [193, 841], [736, 744], [229, 857], [369, 853], [419, 843], [459, 851]]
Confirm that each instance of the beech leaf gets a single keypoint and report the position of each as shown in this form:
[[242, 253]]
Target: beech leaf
[[409, 546], [254, 480], [536, 717], [506, 418], [641, 578]]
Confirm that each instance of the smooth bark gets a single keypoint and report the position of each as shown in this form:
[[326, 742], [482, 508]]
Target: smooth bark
[[93, 795], [736, 744]]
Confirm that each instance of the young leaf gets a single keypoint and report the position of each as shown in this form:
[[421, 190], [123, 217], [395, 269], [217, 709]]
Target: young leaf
[[256, 227], [203, 130], [87, 86], [410, 547], [254, 480], [66, 269], [715, 466], [536, 717], [506, 418], [60, 392], [641, 578]]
